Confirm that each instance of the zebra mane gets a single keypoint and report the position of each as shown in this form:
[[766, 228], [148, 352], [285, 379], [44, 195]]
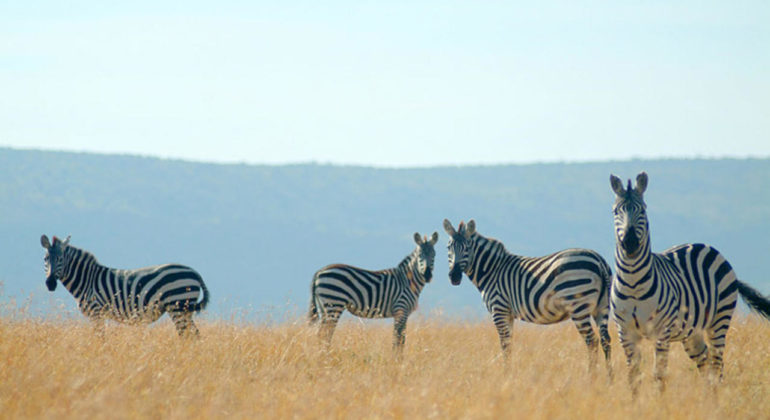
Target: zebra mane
[[631, 195], [72, 252], [495, 252], [497, 246], [404, 264]]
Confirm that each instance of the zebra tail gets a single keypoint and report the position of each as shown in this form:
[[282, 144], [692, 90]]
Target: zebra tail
[[203, 303], [754, 299], [312, 314]]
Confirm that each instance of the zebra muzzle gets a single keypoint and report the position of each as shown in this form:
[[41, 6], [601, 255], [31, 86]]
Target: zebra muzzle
[[456, 275], [50, 282], [630, 244]]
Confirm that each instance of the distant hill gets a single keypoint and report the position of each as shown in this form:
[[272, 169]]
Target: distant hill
[[258, 233]]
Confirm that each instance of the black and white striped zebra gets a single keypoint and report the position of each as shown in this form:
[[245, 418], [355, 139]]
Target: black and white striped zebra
[[130, 296], [389, 293], [570, 284], [686, 293]]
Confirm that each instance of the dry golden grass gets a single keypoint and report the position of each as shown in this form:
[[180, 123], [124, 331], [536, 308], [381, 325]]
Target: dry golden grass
[[53, 369]]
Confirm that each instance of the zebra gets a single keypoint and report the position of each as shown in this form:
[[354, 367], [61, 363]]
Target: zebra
[[389, 293], [686, 293], [129, 296], [573, 283]]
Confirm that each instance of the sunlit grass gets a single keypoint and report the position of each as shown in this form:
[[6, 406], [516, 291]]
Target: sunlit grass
[[449, 370]]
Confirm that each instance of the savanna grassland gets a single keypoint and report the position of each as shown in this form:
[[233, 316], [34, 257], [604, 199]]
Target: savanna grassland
[[62, 369]]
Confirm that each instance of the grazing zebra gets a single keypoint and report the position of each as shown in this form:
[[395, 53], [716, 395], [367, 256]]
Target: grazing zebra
[[573, 283], [131, 296], [686, 293], [390, 293]]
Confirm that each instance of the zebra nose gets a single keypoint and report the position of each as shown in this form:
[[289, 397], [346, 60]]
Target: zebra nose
[[50, 282], [455, 275], [630, 241]]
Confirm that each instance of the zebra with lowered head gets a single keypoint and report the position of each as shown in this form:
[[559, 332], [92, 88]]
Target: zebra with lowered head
[[389, 293], [130, 296], [686, 293], [570, 284]]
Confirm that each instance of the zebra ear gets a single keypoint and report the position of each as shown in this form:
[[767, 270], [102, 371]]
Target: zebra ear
[[448, 228], [470, 228], [434, 238], [617, 186], [641, 182], [67, 241], [45, 242], [417, 238]]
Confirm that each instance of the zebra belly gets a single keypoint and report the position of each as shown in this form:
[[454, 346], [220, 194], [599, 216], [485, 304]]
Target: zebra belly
[[371, 312], [559, 306], [143, 315], [543, 320], [115, 313], [548, 312], [120, 307]]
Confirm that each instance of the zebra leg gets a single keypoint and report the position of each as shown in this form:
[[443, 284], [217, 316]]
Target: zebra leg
[[184, 323], [697, 350], [633, 360], [329, 317], [602, 320], [312, 313], [583, 324], [661, 361], [716, 334], [503, 322], [399, 327], [716, 349]]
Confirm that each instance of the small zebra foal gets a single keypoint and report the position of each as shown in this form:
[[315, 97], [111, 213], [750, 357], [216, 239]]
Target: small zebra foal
[[390, 293], [131, 296]]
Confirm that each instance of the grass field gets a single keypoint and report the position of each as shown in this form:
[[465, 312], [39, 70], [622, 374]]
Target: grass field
[[61, 369]]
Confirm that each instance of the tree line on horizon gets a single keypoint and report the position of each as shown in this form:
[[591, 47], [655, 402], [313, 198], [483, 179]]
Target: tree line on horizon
[[257, 233]]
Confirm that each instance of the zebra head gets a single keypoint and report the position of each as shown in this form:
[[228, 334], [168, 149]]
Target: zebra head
[[426, 253], [54, 260], [459, 248], [631, 225]]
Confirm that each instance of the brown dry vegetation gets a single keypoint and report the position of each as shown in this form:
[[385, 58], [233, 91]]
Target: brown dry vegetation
[[449, 370]]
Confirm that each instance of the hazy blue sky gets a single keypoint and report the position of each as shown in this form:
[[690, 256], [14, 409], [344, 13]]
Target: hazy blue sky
[[387, 83]]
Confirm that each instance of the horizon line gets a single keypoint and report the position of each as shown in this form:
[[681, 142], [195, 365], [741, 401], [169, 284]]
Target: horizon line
[[225, 162]]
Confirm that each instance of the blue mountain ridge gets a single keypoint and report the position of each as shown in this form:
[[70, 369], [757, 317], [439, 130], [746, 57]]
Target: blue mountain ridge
[[257, 233]]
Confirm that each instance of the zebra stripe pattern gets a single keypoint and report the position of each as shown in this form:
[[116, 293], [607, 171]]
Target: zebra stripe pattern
[[686, 293], [573, 283], [390, 293], [130, 296]]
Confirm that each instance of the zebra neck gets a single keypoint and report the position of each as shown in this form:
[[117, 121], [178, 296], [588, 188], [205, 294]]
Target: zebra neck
[[80, 271], [487, 255], [409, 270], [632, 273]]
